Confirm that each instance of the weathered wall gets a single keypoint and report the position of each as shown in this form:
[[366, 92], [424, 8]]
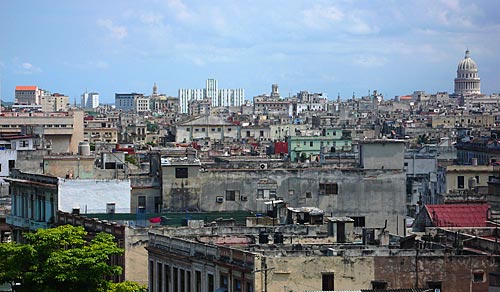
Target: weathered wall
[[378, 195], [383, 154], [305, 273], [136, 255], [456, 273]]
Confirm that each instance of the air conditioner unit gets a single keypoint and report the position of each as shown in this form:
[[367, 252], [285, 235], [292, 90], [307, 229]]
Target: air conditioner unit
[[263, 166], [243, 198], [219, 199]]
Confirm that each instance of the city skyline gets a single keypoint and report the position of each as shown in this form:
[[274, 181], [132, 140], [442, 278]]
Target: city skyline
[[322, 46]]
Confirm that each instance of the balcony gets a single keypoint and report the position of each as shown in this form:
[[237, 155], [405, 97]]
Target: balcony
[[25, 223], [34, 225], [18, 221]]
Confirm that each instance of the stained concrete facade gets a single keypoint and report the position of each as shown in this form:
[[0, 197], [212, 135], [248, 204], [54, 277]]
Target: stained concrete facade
[[249, 266], [376, 195]]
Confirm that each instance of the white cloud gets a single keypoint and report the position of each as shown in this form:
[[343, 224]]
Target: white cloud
[[359, 26], [117, 31], [151, 18], [370, 61], [27, 68], [322, 16], [179, 8]]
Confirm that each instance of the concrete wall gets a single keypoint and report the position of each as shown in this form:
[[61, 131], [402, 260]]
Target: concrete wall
[[382, 154], [136, 256], [5, 156], [74, 167], [468, 172], [456, 273], [305, 273], [378, 195]]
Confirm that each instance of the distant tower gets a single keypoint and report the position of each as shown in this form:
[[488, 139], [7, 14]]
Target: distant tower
[[467, 81], [155, 89], [275, 93]]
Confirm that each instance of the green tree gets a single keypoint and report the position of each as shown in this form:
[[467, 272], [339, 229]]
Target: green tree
[[127, 286], [59, 259]]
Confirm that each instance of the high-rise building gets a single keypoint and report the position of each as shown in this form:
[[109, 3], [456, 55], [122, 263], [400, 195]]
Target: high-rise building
[[129, 101], [212, 91], [28, 95], [467, 81], [90, 100], [218, 97]]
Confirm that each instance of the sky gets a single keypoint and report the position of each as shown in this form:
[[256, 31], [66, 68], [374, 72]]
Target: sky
[[334, 47]]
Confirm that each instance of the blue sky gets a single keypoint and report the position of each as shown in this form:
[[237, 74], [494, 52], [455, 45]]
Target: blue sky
[[334, 47]]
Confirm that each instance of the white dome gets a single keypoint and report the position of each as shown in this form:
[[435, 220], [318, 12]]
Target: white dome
[[467, 63]]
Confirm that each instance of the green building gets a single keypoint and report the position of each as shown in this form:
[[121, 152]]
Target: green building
[[310, 147]]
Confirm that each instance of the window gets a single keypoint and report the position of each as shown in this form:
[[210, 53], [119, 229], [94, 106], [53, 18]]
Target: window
[[311, 144], [188, 129], [159, 274], [12, 164], [213, 129], [434, 285], [151, 273], [203, 129], [210, 284], [460, 182], [327, 280], [158, 204], [223, 281], [260, 194], [181, 172], [291, 193], [379, 285], [359, 221], [478, 277], [141, 202], [261, 133], [219, 130], [328, 189], [231, 195], [308, 195], [197, 281], [229, 129], [477, 179]]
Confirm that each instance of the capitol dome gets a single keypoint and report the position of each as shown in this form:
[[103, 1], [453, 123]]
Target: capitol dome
[[467, 63], [467, 81]]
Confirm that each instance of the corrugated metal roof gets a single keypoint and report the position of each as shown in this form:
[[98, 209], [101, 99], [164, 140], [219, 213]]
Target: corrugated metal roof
[[458, 215]]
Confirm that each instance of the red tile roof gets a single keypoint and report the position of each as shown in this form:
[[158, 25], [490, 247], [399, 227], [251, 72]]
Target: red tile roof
[[458, 215], [30, 88]]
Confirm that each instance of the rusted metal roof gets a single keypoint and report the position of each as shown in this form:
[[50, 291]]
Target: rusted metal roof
[[458, 215]]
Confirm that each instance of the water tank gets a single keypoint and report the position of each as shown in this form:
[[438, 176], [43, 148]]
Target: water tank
[[84, 149], [472, 183]]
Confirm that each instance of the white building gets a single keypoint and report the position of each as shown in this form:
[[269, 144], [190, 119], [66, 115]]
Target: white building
[[128, 101], [141, 104], [90, 100], [187, 95], [467, 82], [218, 97]]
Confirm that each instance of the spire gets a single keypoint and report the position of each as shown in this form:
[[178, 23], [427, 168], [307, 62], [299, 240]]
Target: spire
[[467, 54], [155, 89]]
